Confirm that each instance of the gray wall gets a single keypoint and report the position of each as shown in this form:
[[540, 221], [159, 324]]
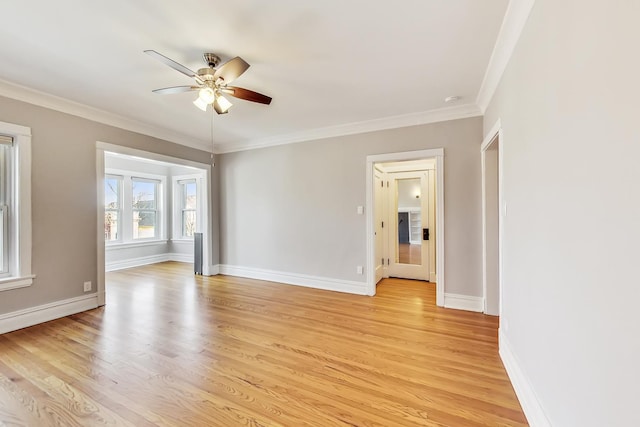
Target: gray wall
[[64, 201], [568, 103], [292, 208]]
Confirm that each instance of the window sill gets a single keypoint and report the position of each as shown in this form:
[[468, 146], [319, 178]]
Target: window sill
[[183, 240], [8, 283], [114, 246]]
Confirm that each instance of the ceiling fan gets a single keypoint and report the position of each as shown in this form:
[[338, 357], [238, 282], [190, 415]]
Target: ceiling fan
[[212, 82]]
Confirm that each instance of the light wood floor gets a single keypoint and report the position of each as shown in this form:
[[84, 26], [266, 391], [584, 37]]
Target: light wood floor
[[177, 350]]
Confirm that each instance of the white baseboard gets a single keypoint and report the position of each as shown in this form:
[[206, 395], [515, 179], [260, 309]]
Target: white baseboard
[[524, 391], [463, 302], [214, 269], [317, 282], [44, 313], [146, 260], [181, 257]]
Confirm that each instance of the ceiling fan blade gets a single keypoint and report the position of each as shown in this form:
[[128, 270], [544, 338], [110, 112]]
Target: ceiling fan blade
[[175, 89], [173, 64], [218, 108], [231, 70], [247, 94]]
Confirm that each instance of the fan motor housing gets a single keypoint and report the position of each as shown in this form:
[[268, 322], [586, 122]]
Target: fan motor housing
[[212, 61], [206, 74]]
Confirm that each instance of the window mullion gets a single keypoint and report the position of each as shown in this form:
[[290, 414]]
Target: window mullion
[[127, 209]]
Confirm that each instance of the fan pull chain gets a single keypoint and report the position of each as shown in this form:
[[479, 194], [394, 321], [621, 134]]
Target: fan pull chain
[[213, 163]]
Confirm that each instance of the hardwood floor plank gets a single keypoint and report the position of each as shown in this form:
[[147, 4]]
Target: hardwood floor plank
[[174, 349]]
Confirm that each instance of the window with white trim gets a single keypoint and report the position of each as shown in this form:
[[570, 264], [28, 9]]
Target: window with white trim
[[144, 208], [133, 207], [188, 206], [6, 146], [15, 206]]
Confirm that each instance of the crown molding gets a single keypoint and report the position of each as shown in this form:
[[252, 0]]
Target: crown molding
[[393, 122], [515, 19], [53, 102]]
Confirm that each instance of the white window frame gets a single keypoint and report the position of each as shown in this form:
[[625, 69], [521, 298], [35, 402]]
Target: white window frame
[[18, 209], [156, 211], [5, 202], [127, 239], [118, 211], [178, 206]]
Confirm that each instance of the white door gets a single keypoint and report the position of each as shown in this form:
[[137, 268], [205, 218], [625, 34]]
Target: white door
[[378, 218], [409, 225]]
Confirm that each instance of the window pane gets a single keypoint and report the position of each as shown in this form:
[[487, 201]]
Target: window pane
[[144, 224], [4, 173], [189, 195], [2, 246], [144, 194], [5, 198], [188, 223], [112, 192], [111, 232]]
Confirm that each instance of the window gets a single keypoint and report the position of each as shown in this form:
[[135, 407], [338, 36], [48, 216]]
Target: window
[[15, 206], [112, 208], [144, 207], [188, 193], [133, 207], [6, 145]]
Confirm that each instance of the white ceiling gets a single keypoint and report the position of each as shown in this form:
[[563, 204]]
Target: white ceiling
[[327, 64]]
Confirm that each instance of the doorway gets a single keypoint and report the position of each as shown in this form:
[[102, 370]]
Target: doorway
[[141, 193], [491, 155], [402, 230], [410, 227]]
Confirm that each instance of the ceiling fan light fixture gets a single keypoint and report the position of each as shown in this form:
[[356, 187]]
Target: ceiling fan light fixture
[[223, 103], [207, 95], [200, 104], [211, 81]]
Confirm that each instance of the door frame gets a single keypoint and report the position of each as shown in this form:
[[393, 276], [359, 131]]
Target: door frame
[[495, 134], [101, 148], [438, 154]]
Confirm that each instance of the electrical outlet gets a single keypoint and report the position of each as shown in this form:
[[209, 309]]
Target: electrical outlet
[[87, 286], [359, 269]]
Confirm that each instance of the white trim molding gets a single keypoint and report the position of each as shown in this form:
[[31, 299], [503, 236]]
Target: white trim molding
[[463, 302], [63, 105], [529, 401], [317, 282], [393, 122], [147, 260], [188, 258], [136, 262], [495, 135], [44, 313], [513, 23], [8, 283]]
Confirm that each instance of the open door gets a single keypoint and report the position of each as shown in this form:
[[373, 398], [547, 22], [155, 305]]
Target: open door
[[409, 232], [378, 219]]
